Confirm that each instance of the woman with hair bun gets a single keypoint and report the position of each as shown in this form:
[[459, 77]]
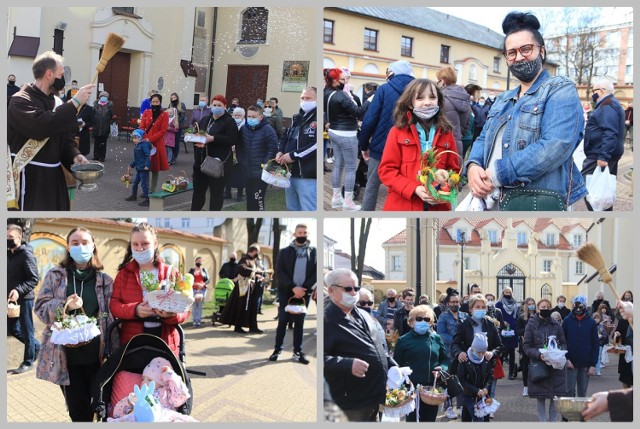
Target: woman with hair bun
[[523, 156]]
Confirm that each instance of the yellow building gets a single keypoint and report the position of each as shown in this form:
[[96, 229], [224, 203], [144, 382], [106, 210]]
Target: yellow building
[[367, 39]]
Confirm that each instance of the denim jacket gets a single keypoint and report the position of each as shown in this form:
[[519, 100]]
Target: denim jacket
[[542, 130], [447, 327]]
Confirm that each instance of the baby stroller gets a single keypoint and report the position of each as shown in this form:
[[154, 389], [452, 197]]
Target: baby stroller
[[133, 357], [221, 294]]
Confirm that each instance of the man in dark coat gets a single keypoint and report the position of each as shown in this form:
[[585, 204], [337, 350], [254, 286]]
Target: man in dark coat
[[297, 265], [298, 149], [376, 125], [22, 278], [480, 112], [561, 306], [604, 133], [12, 88], [355, 364], [229, 269], [34, 115], [583, 343]]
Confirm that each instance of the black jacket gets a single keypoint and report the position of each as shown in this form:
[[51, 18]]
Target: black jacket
[[475, 377], [347, 338], [496, 313], [256, 146], [286, 263], [400, 321], [229, 270], [205, 274], [564, 311], [342, 113], [225, 132], [464, 337], [22, 272], [299, 141]]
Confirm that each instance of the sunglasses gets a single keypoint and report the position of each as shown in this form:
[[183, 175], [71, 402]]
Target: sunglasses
[[349, 288], [363, 303], [420, 319]]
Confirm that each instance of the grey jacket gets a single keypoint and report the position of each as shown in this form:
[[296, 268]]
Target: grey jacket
[[457, 109], [381, 316]]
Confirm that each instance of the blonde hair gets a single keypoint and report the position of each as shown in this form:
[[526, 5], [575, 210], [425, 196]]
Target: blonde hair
[[421, 310], [475, 298]]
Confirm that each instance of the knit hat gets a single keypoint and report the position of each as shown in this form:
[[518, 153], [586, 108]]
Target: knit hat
[[105, 93], [139, 134], [401, 67], [581, 299], [479, 344], [220, 98]]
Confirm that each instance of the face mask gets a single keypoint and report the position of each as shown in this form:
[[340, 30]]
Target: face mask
[[11, 244], [301, 240], [103, 99], [74, 86], [466, 301], [349, 300], [217, 110], [423, 302], [234, 105], [454, 308], [202, 104], [367, 309], [308, 106], [156, 109], [507, 297], [58, 83], [595, 97], [239, 121], [12, 82], [545, 314], [174, 102], [268, 110], [340, 86], [259, 103], [526, 71], [531, 307], [480, 103], [479, 314], [252, 122], [232, 259], [579, 311], [426, 112], [199, 264], [392, 299], [421, 328], [490, 303], [143, 257], [561, 305], [81, 254]]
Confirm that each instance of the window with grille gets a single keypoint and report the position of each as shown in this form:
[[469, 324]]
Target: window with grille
[[522, 238], [444, 54], [579, 267], [370, 39], [255, 21], [496, 64], [396, 263], [328, 31], [186, 222], [406, 46], [546, 265]]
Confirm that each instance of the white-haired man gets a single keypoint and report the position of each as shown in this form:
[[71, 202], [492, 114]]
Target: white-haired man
[[387, 308]]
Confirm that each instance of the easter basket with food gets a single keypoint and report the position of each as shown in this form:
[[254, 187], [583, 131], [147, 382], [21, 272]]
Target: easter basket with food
[[616, 346], [73, 330], [553, 355], [443, 185], [176, 183], [486, 406], [296, 306], [432, 395], [195, 135], [126, 178], [174, 296], [400, 397], [276, 174]]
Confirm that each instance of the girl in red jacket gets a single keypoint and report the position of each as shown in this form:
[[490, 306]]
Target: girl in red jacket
[[155, 123], [128, 303], [420, 124]]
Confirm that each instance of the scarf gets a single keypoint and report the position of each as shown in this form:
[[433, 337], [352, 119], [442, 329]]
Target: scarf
[[510, 308], [472, 357]]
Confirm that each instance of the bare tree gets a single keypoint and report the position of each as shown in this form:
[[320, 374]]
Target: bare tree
[[253, 230], [357, 261]]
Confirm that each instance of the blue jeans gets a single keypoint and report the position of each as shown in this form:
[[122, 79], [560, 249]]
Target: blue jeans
[[599, 364], [370, 198], [196, 308], [22, 329], [283, 320], [580, 377], [301, 195], [142, 177]]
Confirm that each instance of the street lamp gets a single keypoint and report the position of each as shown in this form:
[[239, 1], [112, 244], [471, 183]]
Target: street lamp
[[461, 242], [418, 259]]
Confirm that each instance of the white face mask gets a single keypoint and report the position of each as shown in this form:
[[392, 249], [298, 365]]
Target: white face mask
[[561, 305], [143, 257], [308, 106], [349, 300]]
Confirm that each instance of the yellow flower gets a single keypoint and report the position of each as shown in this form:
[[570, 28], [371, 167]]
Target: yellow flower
[[455, 178]]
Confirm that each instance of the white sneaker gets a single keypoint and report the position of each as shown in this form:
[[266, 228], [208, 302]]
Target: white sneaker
[[337, 201], [450, 414], [525, 391], [329, 160], [348, 204]]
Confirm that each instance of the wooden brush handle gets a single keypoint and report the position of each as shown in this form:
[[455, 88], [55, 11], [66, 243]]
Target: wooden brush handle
[[615, 293]]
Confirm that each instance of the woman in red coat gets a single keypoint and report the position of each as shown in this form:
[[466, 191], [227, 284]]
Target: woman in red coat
[[420, 124], [155, 122], [128, 302]]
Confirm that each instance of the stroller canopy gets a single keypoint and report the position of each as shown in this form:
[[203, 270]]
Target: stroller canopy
[[223, 290]]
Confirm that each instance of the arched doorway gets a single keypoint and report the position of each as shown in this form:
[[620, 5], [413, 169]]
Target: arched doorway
[[513, 277]]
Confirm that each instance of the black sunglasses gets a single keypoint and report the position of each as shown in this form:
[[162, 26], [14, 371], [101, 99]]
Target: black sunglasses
[[420, 319], [349, 288], [363, 303]]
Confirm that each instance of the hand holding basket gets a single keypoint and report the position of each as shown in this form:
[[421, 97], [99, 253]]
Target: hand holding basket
[[276, 174]]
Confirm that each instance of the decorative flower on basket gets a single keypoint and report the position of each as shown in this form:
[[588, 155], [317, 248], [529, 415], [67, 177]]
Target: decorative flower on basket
[[553, 355], [171, 295], [126, 178], [296, 306], [400, 397], [176, 183], [276, 174], [73, 330], [195, 135], [442, 184]]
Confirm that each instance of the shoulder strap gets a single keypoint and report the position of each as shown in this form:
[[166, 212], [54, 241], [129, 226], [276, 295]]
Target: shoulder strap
[[328, 103]]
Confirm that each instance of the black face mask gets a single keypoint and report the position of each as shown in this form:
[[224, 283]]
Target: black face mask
[[545, 314], [198, 264], [11, 244], [301, 240], [508, 297], [579, 311], [174, 103], [156, 109], [12, 82], [367, 309], [59, 83], [234, 105], [232, 259], [391, 299], [340, 86], [454, 308]]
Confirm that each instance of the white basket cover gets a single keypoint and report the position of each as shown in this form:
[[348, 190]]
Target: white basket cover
[[276, 179], [506, 333], [195, 138], [81, 331], [402, 411], [482, 409], [295, 308], [170, 301]]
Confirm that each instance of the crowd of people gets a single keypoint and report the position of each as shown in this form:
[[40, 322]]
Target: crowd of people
[[474, 337], [506, 165], [49, 128], [80, 284]]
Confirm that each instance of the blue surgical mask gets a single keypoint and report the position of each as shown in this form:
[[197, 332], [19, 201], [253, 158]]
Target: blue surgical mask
[[81, 254], [421, 328], [252, 122], [531, 307], [217, 110], [479, 314], [202, 104], [239, 121], [103, 99], [143, 257]]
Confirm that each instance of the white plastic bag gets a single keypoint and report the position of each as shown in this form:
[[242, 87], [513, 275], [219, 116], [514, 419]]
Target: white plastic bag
[[113, 130], [601, 186], [471, 204]]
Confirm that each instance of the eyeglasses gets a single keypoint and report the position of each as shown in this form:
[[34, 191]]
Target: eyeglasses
[[349, 288], [363, 303], [525, 50], [420, 319]]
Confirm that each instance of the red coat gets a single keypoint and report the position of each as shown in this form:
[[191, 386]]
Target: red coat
[[400, 164], [156, 137], [127, 294]]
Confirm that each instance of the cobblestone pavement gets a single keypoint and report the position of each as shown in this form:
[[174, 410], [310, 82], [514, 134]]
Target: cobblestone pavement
[[241, 385]]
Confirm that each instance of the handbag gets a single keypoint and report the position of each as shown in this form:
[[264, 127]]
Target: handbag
[[113, 130], [452, 383], [498, 370], [538, 370], [213, 167], [519, 199]]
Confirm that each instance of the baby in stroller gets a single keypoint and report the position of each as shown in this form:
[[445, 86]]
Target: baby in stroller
[[170, 391]]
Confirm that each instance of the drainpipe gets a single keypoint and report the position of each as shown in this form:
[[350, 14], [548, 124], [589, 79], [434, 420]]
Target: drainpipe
[[213, 46]]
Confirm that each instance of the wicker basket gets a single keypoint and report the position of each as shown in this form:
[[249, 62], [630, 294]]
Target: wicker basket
[[276, 174], [296, 308], [80, 344], [13, 309], [616, 346], [402, 408], [429, 396], [195, 137]]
